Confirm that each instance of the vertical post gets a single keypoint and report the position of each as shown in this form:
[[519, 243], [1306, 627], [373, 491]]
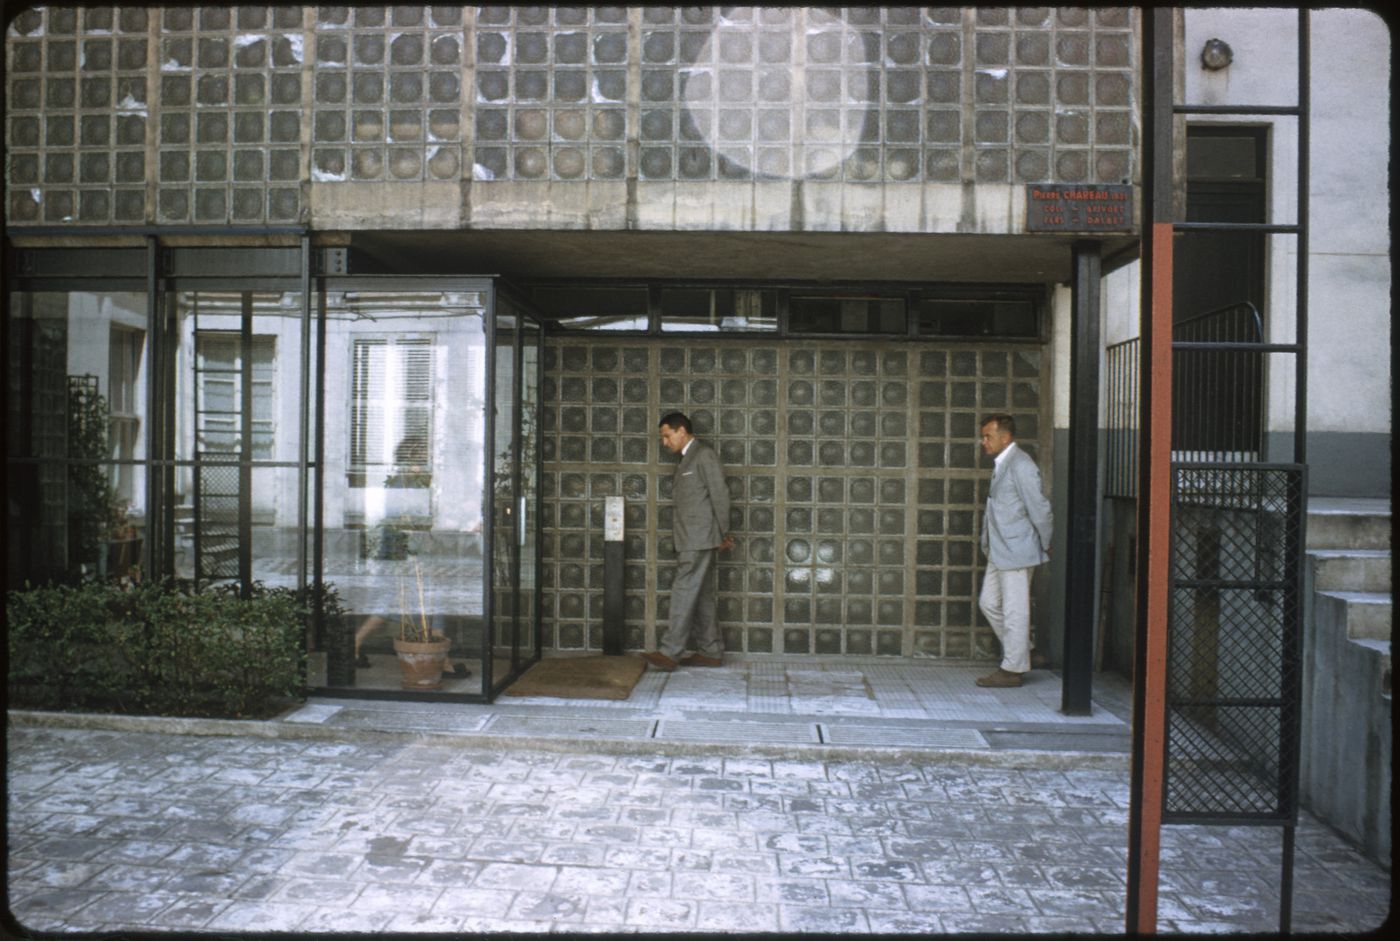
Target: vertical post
[[1154, 487], [613, 577], [157, 511], [1082, 534], [245, 451]]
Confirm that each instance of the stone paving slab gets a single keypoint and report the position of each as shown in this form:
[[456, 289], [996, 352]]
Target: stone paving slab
[[118, 830]]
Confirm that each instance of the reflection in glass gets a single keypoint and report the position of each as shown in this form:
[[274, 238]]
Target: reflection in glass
[[529, 487], [237, 398], [590, 308], [403, 478], [713, 310], [505, 556], [75, 424]]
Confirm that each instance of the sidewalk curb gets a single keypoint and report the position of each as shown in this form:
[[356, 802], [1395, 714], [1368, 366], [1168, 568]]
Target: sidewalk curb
[[310, 731]]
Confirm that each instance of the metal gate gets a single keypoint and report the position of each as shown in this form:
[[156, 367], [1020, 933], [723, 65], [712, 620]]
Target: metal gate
[[1234, 645]]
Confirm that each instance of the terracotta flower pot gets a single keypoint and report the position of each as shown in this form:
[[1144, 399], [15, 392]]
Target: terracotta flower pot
[[423, 662]]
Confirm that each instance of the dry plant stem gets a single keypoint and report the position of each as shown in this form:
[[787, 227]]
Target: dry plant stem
[[422, 607]]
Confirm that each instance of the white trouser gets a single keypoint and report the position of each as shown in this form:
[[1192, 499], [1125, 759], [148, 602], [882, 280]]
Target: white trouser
[[1006, 601]]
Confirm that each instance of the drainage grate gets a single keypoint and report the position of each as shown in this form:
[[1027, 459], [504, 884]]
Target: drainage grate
[[404, 719], [894, 735], [699, 730], [566, 726]]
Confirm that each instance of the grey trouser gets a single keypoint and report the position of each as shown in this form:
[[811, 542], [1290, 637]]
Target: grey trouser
[[693, 606]]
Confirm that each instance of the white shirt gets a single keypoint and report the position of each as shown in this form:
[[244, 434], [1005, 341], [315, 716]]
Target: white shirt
[[687, 446], [1002, 456]]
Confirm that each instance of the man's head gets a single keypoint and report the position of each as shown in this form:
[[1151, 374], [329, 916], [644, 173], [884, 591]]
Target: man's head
[[997, 432], [675, 431]]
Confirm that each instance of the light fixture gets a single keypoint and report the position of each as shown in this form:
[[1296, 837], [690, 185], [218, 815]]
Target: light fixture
[[1216, 55]]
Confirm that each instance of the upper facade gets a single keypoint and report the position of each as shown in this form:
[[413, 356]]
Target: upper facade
[[894, 119]]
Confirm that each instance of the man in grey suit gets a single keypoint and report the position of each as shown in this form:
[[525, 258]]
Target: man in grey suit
[[700, 526], [1016, 532]]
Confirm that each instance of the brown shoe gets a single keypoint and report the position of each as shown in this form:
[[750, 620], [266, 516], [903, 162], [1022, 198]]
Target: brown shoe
[[700, 660], [659, 660], [1000, 679]]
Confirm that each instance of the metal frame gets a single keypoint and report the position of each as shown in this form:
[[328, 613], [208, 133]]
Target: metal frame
[[1147, 807]]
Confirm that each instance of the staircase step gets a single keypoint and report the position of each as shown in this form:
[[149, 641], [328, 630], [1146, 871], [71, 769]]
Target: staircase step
[[1339, 523], [1351, 569], [1368, 614], [1381, 651]]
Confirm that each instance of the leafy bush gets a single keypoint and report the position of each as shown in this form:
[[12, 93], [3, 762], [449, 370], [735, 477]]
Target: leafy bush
[[156, 649]]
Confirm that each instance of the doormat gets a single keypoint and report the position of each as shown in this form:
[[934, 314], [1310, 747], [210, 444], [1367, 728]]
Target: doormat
[[580, 678]]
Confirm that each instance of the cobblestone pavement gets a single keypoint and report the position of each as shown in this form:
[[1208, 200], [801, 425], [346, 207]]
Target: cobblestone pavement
[[121, 830]]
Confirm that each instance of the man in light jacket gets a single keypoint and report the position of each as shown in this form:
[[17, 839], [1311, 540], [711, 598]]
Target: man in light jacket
[[700, 526], [1016, 533]]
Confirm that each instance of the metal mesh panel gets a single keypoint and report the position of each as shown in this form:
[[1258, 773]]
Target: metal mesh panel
[[217, 523], [1233, 657]]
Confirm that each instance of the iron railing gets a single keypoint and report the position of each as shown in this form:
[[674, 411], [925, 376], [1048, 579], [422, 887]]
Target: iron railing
[[1217, 394]]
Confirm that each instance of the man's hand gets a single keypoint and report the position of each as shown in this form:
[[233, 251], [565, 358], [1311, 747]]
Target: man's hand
[[727, 544]]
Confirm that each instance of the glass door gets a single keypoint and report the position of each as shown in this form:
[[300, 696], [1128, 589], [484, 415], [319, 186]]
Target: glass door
[[505, 502], [528, 621], [403, 553]]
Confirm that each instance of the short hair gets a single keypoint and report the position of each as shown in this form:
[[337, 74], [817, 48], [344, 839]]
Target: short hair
[[677, 421], [1003, 422]]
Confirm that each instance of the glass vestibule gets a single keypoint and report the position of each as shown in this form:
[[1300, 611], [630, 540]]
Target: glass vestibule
[[182, 445]]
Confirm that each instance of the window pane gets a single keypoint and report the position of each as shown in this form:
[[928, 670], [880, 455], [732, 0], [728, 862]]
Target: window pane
[[718, 310], [813, 314], [976, 317], [582, 308]]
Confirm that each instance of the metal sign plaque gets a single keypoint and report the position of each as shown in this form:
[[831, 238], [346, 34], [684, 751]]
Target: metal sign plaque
[[1079, 207]]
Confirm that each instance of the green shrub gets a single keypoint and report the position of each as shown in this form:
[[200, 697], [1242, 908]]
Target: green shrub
[[155, 649]]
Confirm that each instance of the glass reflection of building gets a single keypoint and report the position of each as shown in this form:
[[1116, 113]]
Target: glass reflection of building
[[351, 444]]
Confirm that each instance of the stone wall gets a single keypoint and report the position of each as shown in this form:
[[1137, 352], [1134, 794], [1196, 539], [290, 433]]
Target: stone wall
[[365, 117]]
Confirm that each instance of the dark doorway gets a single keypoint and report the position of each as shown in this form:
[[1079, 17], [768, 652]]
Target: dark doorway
[[1219, 296]]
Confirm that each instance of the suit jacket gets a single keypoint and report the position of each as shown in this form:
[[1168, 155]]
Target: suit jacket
[[1017, 526], [701, 500]]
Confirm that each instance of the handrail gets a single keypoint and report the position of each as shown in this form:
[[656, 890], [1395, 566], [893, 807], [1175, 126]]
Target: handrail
[[1258, 321]]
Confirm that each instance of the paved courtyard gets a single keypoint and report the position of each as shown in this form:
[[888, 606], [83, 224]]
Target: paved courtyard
[[404, 831]]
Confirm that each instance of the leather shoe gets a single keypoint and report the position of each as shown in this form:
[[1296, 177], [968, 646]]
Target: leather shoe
[[1000, 679], [659, 660], [700, 660]]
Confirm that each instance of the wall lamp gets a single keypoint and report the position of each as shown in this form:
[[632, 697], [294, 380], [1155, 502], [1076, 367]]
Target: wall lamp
[[1216, 55]]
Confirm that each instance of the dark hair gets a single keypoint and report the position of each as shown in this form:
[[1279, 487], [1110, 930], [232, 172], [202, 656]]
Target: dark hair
[[1003, 422], [677, 421]]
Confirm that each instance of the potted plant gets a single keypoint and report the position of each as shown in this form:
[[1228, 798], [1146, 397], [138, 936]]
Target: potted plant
[[422, 652], [121, 542]]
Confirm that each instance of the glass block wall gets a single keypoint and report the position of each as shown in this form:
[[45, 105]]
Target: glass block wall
[[238, 114], [854, 471]]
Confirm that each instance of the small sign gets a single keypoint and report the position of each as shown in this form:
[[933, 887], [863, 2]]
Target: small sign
[[612, 519], [1074, 207]]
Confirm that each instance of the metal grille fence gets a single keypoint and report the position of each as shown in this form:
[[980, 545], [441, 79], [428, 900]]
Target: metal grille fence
[[1234, 644], [1121, 388]]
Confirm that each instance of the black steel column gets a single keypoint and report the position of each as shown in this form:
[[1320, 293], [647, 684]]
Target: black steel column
[[245, 451], [1083, 531]]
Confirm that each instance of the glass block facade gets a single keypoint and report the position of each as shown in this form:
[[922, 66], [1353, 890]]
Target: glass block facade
[[221, 114], [387, 104], [854, 471]]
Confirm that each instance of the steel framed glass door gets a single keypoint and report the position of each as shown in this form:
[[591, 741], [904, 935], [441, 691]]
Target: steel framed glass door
[[426, 517]]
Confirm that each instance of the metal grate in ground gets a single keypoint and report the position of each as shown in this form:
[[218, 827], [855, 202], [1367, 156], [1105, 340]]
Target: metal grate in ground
[[557, 726], [699, 730], [836, 734]]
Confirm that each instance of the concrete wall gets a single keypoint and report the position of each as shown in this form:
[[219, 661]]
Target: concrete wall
[[1348, 421]]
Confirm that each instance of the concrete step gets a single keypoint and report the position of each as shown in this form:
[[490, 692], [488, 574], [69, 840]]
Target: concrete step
[[1340, 523], [1368, 614], [1379, 651], [1365, 570]]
